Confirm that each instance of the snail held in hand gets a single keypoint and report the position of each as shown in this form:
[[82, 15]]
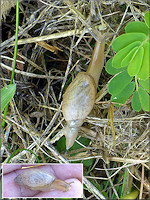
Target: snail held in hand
[[79, 97], [36, 179]]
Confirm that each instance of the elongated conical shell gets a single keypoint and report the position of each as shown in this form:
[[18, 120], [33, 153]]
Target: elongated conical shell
[[34, 179], [79, 97]]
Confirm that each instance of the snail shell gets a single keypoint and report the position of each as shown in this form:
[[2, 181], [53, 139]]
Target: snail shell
[[77, 103], [36, 179], [79, 98]]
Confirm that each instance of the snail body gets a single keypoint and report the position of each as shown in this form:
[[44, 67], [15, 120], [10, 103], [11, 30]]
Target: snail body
[[36, 179], [79, 97]]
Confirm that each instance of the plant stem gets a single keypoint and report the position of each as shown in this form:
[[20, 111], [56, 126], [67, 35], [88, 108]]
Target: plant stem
[[124, 183], [136, 83], [15, 56]]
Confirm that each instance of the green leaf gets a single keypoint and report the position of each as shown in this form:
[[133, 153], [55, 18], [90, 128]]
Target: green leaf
[[132, 195], [139, 27], [88, 163], [17, 150], [126, 39], [61, 144], [128, 58], [84, 141], [119, 82], [124, 95], [7, 94], [112, 70], [144, 99], [136, 105], [144, 71], [136, 62], [145, 84], [147, 17], [116, 62]]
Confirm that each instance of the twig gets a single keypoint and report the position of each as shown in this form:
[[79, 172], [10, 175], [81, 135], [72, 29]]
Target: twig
[[30, 74], [142, 180]]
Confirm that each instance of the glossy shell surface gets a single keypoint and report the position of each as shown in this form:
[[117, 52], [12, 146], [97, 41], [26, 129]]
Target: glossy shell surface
[[34, 179], [79, 97]]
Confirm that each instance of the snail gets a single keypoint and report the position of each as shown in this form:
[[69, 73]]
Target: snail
[[36, 179], [79, 97]]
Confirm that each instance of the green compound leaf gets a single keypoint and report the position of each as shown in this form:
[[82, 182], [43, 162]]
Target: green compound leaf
[[139, 27], [144, 70], [7, 94], [147, 17], [124, 95], [136, 105], [136, 62], [112, 70], [145, 84], [117, 60], [126, 39], [119, 82], [144, 99]]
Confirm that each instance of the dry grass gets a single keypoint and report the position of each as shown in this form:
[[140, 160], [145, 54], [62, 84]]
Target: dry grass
[[35, 119]]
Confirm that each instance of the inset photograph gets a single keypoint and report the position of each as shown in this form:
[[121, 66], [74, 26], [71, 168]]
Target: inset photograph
[[42, 180]]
